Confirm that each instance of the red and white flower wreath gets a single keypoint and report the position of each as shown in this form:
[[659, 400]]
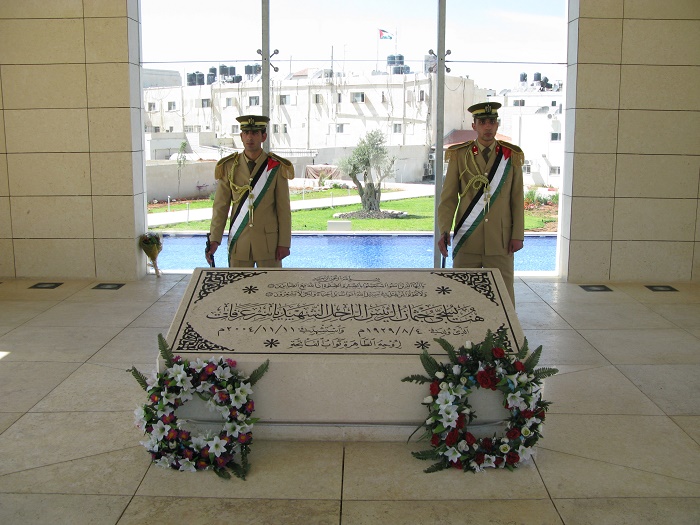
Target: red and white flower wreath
[[224, 389], [483, 365]]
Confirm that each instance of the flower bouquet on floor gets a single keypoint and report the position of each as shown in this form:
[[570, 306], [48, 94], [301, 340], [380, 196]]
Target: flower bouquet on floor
[[152, 244], [487, 365], [172, 440]]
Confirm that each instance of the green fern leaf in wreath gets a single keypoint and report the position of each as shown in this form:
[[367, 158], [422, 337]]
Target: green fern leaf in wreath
[[140, 378], [437, 467], [533, 359], [416, 378], [429, 363], [165, 351], [426, 454], [541, 373], [447, 347], [259, 372]]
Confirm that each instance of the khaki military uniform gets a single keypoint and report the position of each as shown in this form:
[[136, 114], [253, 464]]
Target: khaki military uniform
[[269, 225], [487, 245]]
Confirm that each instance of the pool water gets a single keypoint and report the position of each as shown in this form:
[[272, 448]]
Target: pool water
[[182, 252]]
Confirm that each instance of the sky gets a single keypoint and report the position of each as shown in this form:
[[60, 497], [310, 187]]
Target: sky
[[491, 43]]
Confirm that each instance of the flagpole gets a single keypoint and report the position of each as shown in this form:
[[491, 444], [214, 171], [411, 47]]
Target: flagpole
[[376, 62]]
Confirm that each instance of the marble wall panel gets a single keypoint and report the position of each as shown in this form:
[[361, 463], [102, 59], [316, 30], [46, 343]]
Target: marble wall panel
[[58, 258], [654, 219], [659, 132], [46, 130], [44, 86], [640, 88], [657, 176], [651, 261], [589, 261], [49, 174], [60, 217], [42, 41], [643, 42]]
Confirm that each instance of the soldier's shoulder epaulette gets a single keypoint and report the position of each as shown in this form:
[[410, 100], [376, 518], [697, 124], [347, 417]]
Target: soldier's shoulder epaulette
[[452, 150], [518, 156], [219, 171], [460, 145], [287, 168], [510, 146]]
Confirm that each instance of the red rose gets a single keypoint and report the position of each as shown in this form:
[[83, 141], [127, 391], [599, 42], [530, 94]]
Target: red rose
[[487, 444], [540, 414], [513, 433], [434, 388], [527, 414], [479, 458], [498, 461], [461, 421], [487, 378], [512, 457], [452, 437], [469, 437], [457, 464], [519, 366], [498, 352], [435, 440], [463, 359]]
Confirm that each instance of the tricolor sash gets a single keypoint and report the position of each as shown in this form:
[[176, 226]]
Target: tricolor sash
[[477, 209], [242, 215]]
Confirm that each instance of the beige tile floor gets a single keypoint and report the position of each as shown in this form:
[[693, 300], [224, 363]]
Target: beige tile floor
[[621, 444]]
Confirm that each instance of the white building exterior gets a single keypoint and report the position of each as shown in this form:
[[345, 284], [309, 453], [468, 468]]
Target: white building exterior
[[532, 115], [318, 118]]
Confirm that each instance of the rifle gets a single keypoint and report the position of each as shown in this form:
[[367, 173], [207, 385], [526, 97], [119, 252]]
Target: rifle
[[207, 247]]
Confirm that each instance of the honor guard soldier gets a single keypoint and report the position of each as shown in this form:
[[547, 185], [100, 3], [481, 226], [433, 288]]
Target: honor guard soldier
[[254, 185], [482, 195]]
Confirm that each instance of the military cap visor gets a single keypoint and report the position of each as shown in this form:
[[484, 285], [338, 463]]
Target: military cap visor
[[253, 122], [484, 110]]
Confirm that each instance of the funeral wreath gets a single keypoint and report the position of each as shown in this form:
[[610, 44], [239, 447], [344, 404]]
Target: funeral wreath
[[226, 391], [483, 365]]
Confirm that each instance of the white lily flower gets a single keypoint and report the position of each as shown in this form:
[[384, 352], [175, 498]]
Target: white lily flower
[[217, 446], [489, 461], [169, 397], [166, 410], [449, 417], [525, 453], [477, 468], [245, 389], [160, 429], [452, 454], [151, 444], [152, 380], [185, 395], [238, 399], [223, 373], [187, 465], [164, 462], [444, 398], [440, 375], [231, 429], [176, 369], [504, 448], [198, 443], [515, 400]]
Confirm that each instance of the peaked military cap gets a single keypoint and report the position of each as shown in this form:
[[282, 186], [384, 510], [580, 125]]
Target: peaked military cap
[[484, 110], [253, 122]]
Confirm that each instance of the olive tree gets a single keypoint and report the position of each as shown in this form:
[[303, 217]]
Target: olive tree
[[367, 166]]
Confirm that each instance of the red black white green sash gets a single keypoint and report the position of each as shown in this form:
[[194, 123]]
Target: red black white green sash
[[478, 207], [243, 214]]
